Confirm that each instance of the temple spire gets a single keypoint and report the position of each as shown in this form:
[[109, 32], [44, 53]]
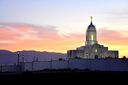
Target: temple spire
[[91, 19]]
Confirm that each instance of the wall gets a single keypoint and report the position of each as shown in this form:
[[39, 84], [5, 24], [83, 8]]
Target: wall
[[27, 66], [9, 68], [81, 64], [119, 65], [60, 64], [41, 65], [77, 64]]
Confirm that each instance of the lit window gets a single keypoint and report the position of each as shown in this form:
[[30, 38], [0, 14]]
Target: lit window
[[92, 37], [96, 50]]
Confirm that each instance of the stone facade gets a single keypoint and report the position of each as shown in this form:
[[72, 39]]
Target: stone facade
[[92, 52]]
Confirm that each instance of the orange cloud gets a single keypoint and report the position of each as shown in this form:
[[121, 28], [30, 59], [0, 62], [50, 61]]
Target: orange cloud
[[31, 37], [28, 37]]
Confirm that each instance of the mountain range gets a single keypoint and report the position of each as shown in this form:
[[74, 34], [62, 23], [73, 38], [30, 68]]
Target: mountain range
[[8, 57]]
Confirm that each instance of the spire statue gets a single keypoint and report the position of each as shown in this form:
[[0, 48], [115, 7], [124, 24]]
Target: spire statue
[[91, 18]]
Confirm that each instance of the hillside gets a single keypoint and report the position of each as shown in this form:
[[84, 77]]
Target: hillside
[[8, 57]]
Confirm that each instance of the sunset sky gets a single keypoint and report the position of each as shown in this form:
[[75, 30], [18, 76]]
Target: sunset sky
[[60, 25]]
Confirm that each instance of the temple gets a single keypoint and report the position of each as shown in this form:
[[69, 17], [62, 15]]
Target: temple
[[92, 48]]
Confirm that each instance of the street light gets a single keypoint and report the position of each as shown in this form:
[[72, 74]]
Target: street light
[[51, 63], [23, 58], [18, 55]]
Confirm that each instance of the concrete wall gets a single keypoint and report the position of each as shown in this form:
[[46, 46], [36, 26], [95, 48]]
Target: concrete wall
[[60, 64], [27, 66], [81, 64], [98, 65], [77, 64], [119, 65], [9, 68], [41, 65]]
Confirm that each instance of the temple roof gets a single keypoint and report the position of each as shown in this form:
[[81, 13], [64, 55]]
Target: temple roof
[[91, 26]]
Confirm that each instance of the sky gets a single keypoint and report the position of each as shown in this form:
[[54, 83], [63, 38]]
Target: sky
[[60, 25]]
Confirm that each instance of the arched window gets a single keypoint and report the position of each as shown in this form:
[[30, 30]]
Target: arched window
[[96, 56]]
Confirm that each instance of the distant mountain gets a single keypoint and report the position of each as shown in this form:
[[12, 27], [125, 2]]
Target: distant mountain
[[8, 57]]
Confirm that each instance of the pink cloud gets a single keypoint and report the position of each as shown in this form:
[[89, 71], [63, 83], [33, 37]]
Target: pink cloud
[[22, 32], [27, 36], [112, 36], [103, 35], [7, 34], [74, 36], [16, 32]]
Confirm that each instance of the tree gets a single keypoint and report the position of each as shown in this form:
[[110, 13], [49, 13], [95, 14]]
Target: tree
[[124, 57]]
